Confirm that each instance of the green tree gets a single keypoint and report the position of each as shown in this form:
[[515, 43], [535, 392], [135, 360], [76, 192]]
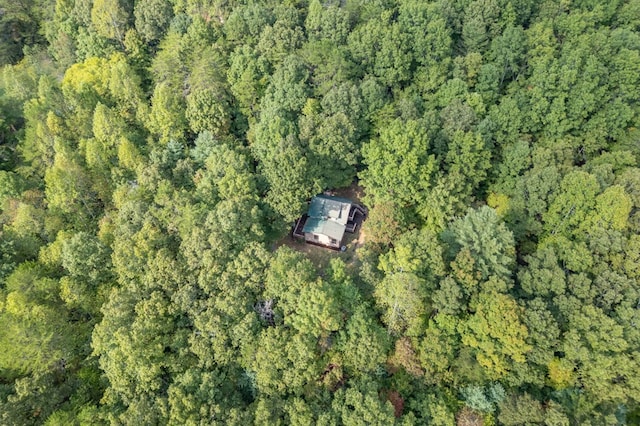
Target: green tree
[[283, 37], [289, 273], [330, 23], [88, 263], [152, 18], [495, 330], [417, 251], [40, 124], [171, 64], [84, 85], [208, 110], [433, 408], [37, 333], [507, 52], [195, 389], [34, 398], [284, 361], [399, 166], [283, 164], [247, 22], [21, 24], [332, 143], [429, 37], [68, 189], [402, 298], [521, 410], [448, 297], [363, 343], [110, 19], [167, 116], [381, 48], [317, 310], [101, 150], [575, 200], [437, 350], [467, 160], [288, 89], [10, 187], [247, 76], [360, 404], [483, 398], [126, 88], [230, 311], [488, 240], [385, 222], [544, 335], [140, 342], [612, 209], [544, 276]]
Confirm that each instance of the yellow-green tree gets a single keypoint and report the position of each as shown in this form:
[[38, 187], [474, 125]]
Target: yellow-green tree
[[497, 333], [110, 18]]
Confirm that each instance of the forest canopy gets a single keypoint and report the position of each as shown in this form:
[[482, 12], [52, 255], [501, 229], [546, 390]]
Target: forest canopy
[[155, 153]]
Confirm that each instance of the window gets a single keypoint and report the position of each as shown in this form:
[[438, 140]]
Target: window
[[315, 237], [334, 241]]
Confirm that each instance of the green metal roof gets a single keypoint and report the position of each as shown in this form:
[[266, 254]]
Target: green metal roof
[[330, 208], [328, 216], [324, 227]]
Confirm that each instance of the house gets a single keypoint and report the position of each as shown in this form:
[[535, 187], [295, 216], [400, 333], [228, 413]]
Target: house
[[327, 220]]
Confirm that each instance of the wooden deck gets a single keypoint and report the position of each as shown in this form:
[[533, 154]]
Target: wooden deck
[[356, 209], [299, 226], [356, 216]]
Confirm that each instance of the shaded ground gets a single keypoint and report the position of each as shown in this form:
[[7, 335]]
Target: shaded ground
[[321, 256], [353, 192]]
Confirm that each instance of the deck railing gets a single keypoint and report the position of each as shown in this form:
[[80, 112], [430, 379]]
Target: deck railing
[[299, 226], [355, 209]]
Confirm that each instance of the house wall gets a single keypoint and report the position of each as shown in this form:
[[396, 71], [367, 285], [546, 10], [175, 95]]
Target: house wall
[[322, 239]]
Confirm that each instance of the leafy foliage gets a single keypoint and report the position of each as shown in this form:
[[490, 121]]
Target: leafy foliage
[[153, 155]]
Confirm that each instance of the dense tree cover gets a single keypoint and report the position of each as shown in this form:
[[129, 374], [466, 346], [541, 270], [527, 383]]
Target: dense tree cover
[[153, 152]]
